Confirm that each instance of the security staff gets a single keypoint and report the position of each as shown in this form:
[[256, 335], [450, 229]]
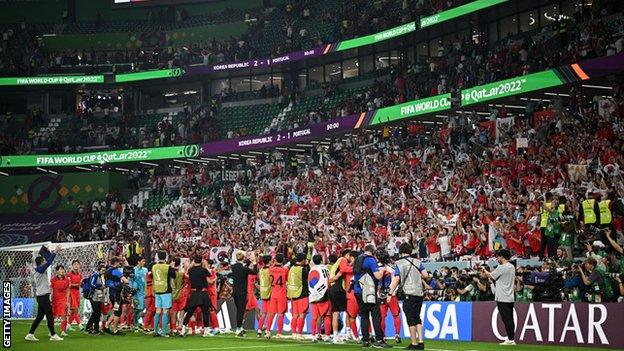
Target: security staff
[[240, 273], [604, 208], [409, 274], [589, 209], [503, 278]]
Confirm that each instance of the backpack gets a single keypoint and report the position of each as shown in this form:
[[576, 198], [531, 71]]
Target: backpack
[[86, 287], [366, 281]]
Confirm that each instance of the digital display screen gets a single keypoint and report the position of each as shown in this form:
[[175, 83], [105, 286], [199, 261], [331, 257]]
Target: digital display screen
[[130, 3]]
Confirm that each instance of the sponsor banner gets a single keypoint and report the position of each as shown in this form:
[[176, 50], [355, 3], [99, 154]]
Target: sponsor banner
[[20, 229], [377, 37], [22, 308], [155, 74], [441, 321], [509, 87], [298, 135], [457, 12], [45, 80], [601, 66], [562, 323], [100, 157], [412, 108]]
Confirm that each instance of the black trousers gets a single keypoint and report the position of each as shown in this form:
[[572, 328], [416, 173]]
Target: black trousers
[[505, 309], [551, 243], [45, 309], [190, 311], [241, 302], [368, 310], [200, 299], [94, 320]]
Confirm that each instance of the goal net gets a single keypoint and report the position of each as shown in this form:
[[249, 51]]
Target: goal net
[[18, 264]]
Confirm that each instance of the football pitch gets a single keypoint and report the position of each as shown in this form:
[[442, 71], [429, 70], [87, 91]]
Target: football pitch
[[78, 341]]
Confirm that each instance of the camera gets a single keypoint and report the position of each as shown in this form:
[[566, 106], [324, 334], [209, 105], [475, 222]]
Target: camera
[[127, 290], [128, 272]]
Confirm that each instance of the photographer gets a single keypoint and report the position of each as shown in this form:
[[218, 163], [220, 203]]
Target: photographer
[[366, 278], [484, 288], [408, 275], [97, 296], [599, 290], [114, 281], [503, 277], [575, 285]]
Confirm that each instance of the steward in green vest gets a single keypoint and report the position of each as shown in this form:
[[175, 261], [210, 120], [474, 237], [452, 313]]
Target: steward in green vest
[[606, 217]]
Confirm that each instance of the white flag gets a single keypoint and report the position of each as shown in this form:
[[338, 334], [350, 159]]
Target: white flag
[[262, 225]]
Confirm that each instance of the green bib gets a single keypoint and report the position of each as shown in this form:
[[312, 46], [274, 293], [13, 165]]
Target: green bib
[[160, 276], [295, 282], [265, 284], [176, 289]]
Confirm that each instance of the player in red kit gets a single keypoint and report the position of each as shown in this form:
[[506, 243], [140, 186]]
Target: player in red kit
[[75, 279], [278, 304], [212, 294], [353, 309], [392, 305], [59, 284], [150, 304], [252, 301]]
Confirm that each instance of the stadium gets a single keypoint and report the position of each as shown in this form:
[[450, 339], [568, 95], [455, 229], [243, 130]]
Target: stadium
[[312, 174]]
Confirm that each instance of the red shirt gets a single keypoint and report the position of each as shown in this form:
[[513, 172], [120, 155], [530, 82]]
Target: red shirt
[[75, 279], [347, 271], [148, 283], [278, 275], [432, 245], [212, 289], [59, 288], [251, 284]]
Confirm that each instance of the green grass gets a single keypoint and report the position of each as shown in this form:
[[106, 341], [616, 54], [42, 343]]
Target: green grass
[[138, 342]]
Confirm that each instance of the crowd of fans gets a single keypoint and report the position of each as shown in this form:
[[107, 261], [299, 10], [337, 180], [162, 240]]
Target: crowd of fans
[[460, 63], [512, 181], [157, 50]]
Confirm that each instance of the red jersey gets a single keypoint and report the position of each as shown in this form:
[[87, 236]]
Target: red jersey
[[212, 288], [347, 271], [148, 284], [75, 279], [278, 275], [251, 284], [59, 288]]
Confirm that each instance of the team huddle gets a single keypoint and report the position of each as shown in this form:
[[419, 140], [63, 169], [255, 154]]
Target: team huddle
[[174, 296]]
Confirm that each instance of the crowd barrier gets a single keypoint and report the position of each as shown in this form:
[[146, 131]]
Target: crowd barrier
[[561, 323]]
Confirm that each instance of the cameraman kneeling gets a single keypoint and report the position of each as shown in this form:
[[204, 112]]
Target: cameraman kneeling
[[409, 272]]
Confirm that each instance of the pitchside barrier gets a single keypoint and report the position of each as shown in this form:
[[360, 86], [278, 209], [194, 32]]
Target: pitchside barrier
[[563, 323]]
